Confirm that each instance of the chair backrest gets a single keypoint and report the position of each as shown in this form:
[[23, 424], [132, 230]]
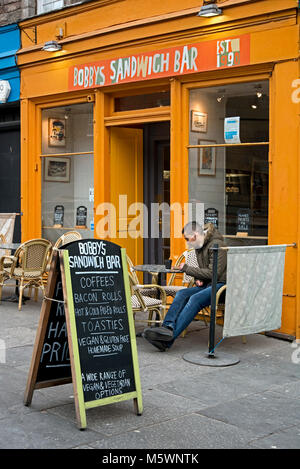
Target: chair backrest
[[67, 238], [136, 293], [132, 272], [33, 255], [188, 257], [191, 260]]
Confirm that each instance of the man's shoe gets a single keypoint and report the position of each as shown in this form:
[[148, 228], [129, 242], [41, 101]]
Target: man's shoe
[[160, 345], [159, 333]]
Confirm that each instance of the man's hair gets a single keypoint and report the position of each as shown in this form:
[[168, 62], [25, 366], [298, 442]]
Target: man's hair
[[192, 227]]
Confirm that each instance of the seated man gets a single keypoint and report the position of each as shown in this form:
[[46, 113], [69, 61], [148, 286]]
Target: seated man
[[189, 301]]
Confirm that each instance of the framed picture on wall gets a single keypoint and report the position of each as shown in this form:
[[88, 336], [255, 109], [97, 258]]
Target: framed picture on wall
[[207, 158], [56, 132], [57, 169], [199, 121]]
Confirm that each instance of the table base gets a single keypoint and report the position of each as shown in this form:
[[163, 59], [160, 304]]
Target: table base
[[219, 359]]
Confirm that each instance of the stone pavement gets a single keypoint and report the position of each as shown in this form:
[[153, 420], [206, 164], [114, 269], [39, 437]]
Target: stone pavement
[[254, 404]]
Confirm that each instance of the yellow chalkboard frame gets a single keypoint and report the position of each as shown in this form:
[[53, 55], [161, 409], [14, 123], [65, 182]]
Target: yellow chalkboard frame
[[80, 404]]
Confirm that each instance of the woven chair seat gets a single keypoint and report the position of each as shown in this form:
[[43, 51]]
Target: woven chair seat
[[171, 290], [18, 272], [147, 300], [152, 292]]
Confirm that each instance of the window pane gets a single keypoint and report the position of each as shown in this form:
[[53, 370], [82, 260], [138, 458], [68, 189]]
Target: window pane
[[142, 101], [232, 182], [67, 179], [43, 6]]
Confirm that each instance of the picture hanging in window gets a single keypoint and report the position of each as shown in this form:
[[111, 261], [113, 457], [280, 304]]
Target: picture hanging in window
[[57, 169], [207, 158], [57, 132], [199, 122]]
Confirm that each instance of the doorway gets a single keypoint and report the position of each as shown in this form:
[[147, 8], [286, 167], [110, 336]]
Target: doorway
[[10, 198], [140, 172], [156, 162]]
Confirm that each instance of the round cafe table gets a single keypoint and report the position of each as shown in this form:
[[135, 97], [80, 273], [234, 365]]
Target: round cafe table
[[158, 269]]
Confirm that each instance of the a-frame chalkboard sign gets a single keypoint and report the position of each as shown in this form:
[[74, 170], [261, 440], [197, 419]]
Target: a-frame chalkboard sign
[[86, 332]]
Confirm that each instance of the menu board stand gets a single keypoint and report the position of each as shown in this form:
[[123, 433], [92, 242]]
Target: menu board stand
[[102, 352]]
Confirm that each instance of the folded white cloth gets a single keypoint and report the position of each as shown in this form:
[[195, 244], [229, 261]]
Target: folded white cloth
[[254, 289], [7, 225]]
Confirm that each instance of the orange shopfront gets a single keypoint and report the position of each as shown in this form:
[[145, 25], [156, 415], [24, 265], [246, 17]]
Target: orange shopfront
[[164, 109]]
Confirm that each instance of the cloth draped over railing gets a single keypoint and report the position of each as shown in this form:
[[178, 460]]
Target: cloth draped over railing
[[7, 226], [254, 289]]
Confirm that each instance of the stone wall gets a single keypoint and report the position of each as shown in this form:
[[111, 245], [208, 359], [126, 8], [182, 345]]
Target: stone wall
[[12, 11]]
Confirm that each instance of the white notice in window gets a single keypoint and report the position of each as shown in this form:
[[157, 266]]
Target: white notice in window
[[232, 130]]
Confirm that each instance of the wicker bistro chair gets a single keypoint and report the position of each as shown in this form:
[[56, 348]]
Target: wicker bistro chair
[[189, 257], [28, 266], [150, 291], [204, 314], [66, 238], [145, 304], [4, 271]]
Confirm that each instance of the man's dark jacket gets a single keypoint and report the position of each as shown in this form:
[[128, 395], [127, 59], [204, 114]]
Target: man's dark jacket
[[205, 257]]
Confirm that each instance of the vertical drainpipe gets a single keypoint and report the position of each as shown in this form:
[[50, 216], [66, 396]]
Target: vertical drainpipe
[[298, 224]]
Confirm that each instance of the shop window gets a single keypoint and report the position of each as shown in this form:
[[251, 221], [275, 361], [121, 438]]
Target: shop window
[[43, 6], [142, 101], [231, 180], [67, 171]]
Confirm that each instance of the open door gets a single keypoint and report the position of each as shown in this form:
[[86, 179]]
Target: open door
[[157, 191], [126, 189]]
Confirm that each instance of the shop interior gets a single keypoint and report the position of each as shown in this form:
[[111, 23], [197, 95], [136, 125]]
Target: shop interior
[[67, 171], [231, 180]]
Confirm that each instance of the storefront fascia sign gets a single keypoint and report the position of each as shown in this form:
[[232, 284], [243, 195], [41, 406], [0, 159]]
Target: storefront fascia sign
[[174, 61], [5, 90]]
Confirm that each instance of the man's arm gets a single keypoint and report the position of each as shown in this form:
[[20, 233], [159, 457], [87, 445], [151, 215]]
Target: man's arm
[[206, 273]]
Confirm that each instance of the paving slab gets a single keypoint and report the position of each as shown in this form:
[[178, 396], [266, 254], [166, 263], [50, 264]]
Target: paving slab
[[187, 432], [263, 413], [42, 430], [218, 387], [286, 439], [120, 417]]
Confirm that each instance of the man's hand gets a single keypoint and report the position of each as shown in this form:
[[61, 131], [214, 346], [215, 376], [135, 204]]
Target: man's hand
[[199, 283], [178, 267]]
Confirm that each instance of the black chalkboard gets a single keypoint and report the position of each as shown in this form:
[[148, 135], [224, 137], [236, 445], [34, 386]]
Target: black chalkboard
[[101, 318], [50, 364], [86, 331], [58, 218], [55, 358], [81, 215], [243, 220], [211, 215]]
